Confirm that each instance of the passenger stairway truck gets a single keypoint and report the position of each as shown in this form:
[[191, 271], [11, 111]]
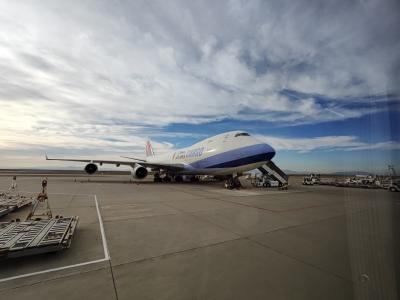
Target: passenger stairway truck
[[272, 170]]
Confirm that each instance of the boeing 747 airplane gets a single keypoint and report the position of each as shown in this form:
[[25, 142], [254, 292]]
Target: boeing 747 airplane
[[227, 154]]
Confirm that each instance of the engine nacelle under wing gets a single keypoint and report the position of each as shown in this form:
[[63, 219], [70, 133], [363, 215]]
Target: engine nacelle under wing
[[139, 171], [91, 168]]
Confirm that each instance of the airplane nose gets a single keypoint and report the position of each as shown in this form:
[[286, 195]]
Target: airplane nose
[[268, 151]]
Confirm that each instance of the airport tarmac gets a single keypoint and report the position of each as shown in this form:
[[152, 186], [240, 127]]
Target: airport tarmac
[[199, 241]]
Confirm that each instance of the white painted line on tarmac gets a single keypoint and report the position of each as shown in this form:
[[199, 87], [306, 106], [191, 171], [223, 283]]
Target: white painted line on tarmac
[[69, 194], [103, 235], [53, 270], [105, 248]]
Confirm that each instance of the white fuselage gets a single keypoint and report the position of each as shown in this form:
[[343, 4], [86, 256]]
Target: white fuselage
[[223, 154]]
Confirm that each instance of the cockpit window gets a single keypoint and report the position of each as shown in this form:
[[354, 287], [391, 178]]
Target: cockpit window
[[242, 134]]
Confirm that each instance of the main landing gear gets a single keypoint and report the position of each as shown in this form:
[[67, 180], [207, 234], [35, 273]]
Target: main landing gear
[[233, 182], [157, 177], [167, 178], [178, 178]]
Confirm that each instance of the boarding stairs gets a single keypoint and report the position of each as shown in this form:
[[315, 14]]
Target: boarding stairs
[[271, 169]]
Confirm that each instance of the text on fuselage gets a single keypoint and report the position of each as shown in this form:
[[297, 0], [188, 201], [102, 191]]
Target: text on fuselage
[[188, 153]]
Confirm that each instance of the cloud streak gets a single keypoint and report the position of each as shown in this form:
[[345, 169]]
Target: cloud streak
[[326, 143], [163, 60]]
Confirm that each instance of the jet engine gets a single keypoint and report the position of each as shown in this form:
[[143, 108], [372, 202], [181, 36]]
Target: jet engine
[[139, 172], [91, 168]]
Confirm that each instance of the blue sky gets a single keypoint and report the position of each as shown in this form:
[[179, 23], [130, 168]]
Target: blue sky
[[370, 129], [96, 78]]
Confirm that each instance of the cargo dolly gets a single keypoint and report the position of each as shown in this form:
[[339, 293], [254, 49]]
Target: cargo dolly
[[12, 200], [11, 203], [39, 233], [36, 237]]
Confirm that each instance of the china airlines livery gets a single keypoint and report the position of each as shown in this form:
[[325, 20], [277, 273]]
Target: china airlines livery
[[227, 154]]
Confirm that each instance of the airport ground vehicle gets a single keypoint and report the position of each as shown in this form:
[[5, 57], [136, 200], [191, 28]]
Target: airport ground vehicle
[[266, 182], [308, 181], [311, 179], [394, 186]]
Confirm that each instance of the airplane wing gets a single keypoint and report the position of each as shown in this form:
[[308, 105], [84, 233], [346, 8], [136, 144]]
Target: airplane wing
[[134, 158], [174, 167]]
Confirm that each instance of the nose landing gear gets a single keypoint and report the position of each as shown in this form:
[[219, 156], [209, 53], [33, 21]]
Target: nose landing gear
[[233, 182]]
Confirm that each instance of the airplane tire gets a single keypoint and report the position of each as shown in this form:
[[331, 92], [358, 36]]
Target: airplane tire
[[233, 183], [157, 177], [178, 178], [236, 183], [194, 179], [167, 179]]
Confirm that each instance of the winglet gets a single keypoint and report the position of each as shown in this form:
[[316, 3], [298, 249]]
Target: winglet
[[46, 156]]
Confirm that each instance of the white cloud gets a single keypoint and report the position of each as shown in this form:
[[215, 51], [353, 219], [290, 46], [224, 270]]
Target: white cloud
[[328, 143], [388, 145]]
